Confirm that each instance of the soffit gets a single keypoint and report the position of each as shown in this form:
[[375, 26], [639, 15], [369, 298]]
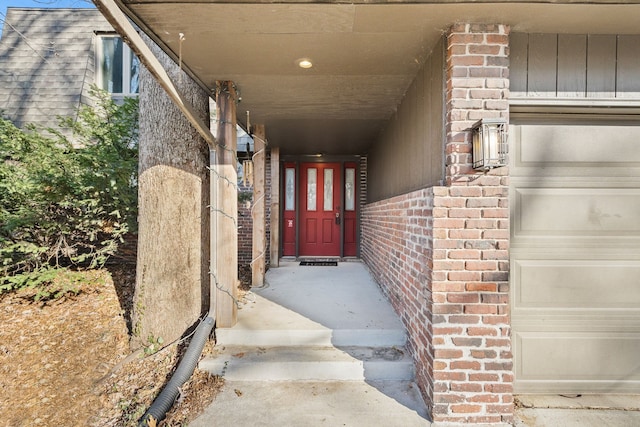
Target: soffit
[[365, 56]]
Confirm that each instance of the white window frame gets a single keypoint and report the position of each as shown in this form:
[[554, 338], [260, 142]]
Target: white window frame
[[127, 57]]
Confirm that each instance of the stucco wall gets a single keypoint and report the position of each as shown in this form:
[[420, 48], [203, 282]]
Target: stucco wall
[[409, 154]]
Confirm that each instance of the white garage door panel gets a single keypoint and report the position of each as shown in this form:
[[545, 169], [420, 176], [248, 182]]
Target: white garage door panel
[[576, 212], [578, 144], [575, 258], [566, 362], [576, 285]]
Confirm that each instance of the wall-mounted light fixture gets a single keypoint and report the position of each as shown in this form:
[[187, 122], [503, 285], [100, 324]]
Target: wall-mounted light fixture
[[489, 144]]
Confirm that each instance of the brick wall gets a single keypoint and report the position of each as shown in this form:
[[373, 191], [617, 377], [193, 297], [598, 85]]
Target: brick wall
[[267, 209], [471, 327], [396, 244], [245, 227], [472, 366], [245, 221], [362, 199], [441, 254], [477, 86]]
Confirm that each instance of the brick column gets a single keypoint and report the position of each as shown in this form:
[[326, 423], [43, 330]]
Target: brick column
[[472, 361]]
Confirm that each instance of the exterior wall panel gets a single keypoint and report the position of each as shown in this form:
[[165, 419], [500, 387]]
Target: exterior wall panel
[[541, 66], [601, 63], [408, 156], [628, 67], [576, 66], [572, 70]]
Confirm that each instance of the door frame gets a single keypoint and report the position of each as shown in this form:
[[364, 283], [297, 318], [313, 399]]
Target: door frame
[[296, 161]]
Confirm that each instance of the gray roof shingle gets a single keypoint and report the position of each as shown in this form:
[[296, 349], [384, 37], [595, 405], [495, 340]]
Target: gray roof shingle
[[47, 62]]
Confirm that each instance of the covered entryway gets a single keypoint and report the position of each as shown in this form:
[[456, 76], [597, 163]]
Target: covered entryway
[[575, 254], [403, 84], [320, 209]]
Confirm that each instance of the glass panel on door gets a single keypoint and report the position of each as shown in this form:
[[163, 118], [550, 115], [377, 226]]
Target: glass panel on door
[[290, 189], [328, 189], [349, 189], [312, 185], [289, 215], [350, 221]]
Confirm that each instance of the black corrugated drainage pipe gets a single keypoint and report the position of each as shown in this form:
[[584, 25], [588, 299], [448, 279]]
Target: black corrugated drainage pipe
[[159, 408]]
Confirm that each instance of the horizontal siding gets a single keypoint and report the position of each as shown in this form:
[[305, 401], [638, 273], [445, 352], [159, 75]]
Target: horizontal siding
[[575, 66]]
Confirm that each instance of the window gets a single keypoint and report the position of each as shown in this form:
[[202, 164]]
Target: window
[[117, 68], [290, 189], [349, 189]]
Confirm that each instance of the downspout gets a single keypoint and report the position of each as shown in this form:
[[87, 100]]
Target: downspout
[[159, 408]]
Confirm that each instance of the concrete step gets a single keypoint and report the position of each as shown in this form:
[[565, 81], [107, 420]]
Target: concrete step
[[283, 337], [316, 404], [310, 363]]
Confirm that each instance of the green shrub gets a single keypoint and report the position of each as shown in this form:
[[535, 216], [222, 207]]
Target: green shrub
[[67, 198]]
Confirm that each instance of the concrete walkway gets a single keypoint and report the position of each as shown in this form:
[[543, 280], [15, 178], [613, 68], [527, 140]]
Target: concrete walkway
[[318, 346], [321, 346], [580, 411]]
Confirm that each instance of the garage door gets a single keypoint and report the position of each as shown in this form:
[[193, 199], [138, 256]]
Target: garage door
[[575, 257]]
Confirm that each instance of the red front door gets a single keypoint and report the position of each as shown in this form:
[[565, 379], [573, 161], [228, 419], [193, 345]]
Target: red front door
[[320, 209]]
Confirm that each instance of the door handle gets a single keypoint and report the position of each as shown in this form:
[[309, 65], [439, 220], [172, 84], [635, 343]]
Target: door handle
[[337, 218]]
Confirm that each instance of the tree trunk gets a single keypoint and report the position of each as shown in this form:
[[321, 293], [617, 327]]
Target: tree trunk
[[172, 284]]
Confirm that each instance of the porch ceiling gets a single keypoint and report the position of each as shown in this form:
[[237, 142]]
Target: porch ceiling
[[364, 55]]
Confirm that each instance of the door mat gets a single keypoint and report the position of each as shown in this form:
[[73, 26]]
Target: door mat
[[322, 263]]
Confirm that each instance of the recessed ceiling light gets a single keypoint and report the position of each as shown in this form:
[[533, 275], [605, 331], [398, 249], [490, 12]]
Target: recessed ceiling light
[[305, 63]]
